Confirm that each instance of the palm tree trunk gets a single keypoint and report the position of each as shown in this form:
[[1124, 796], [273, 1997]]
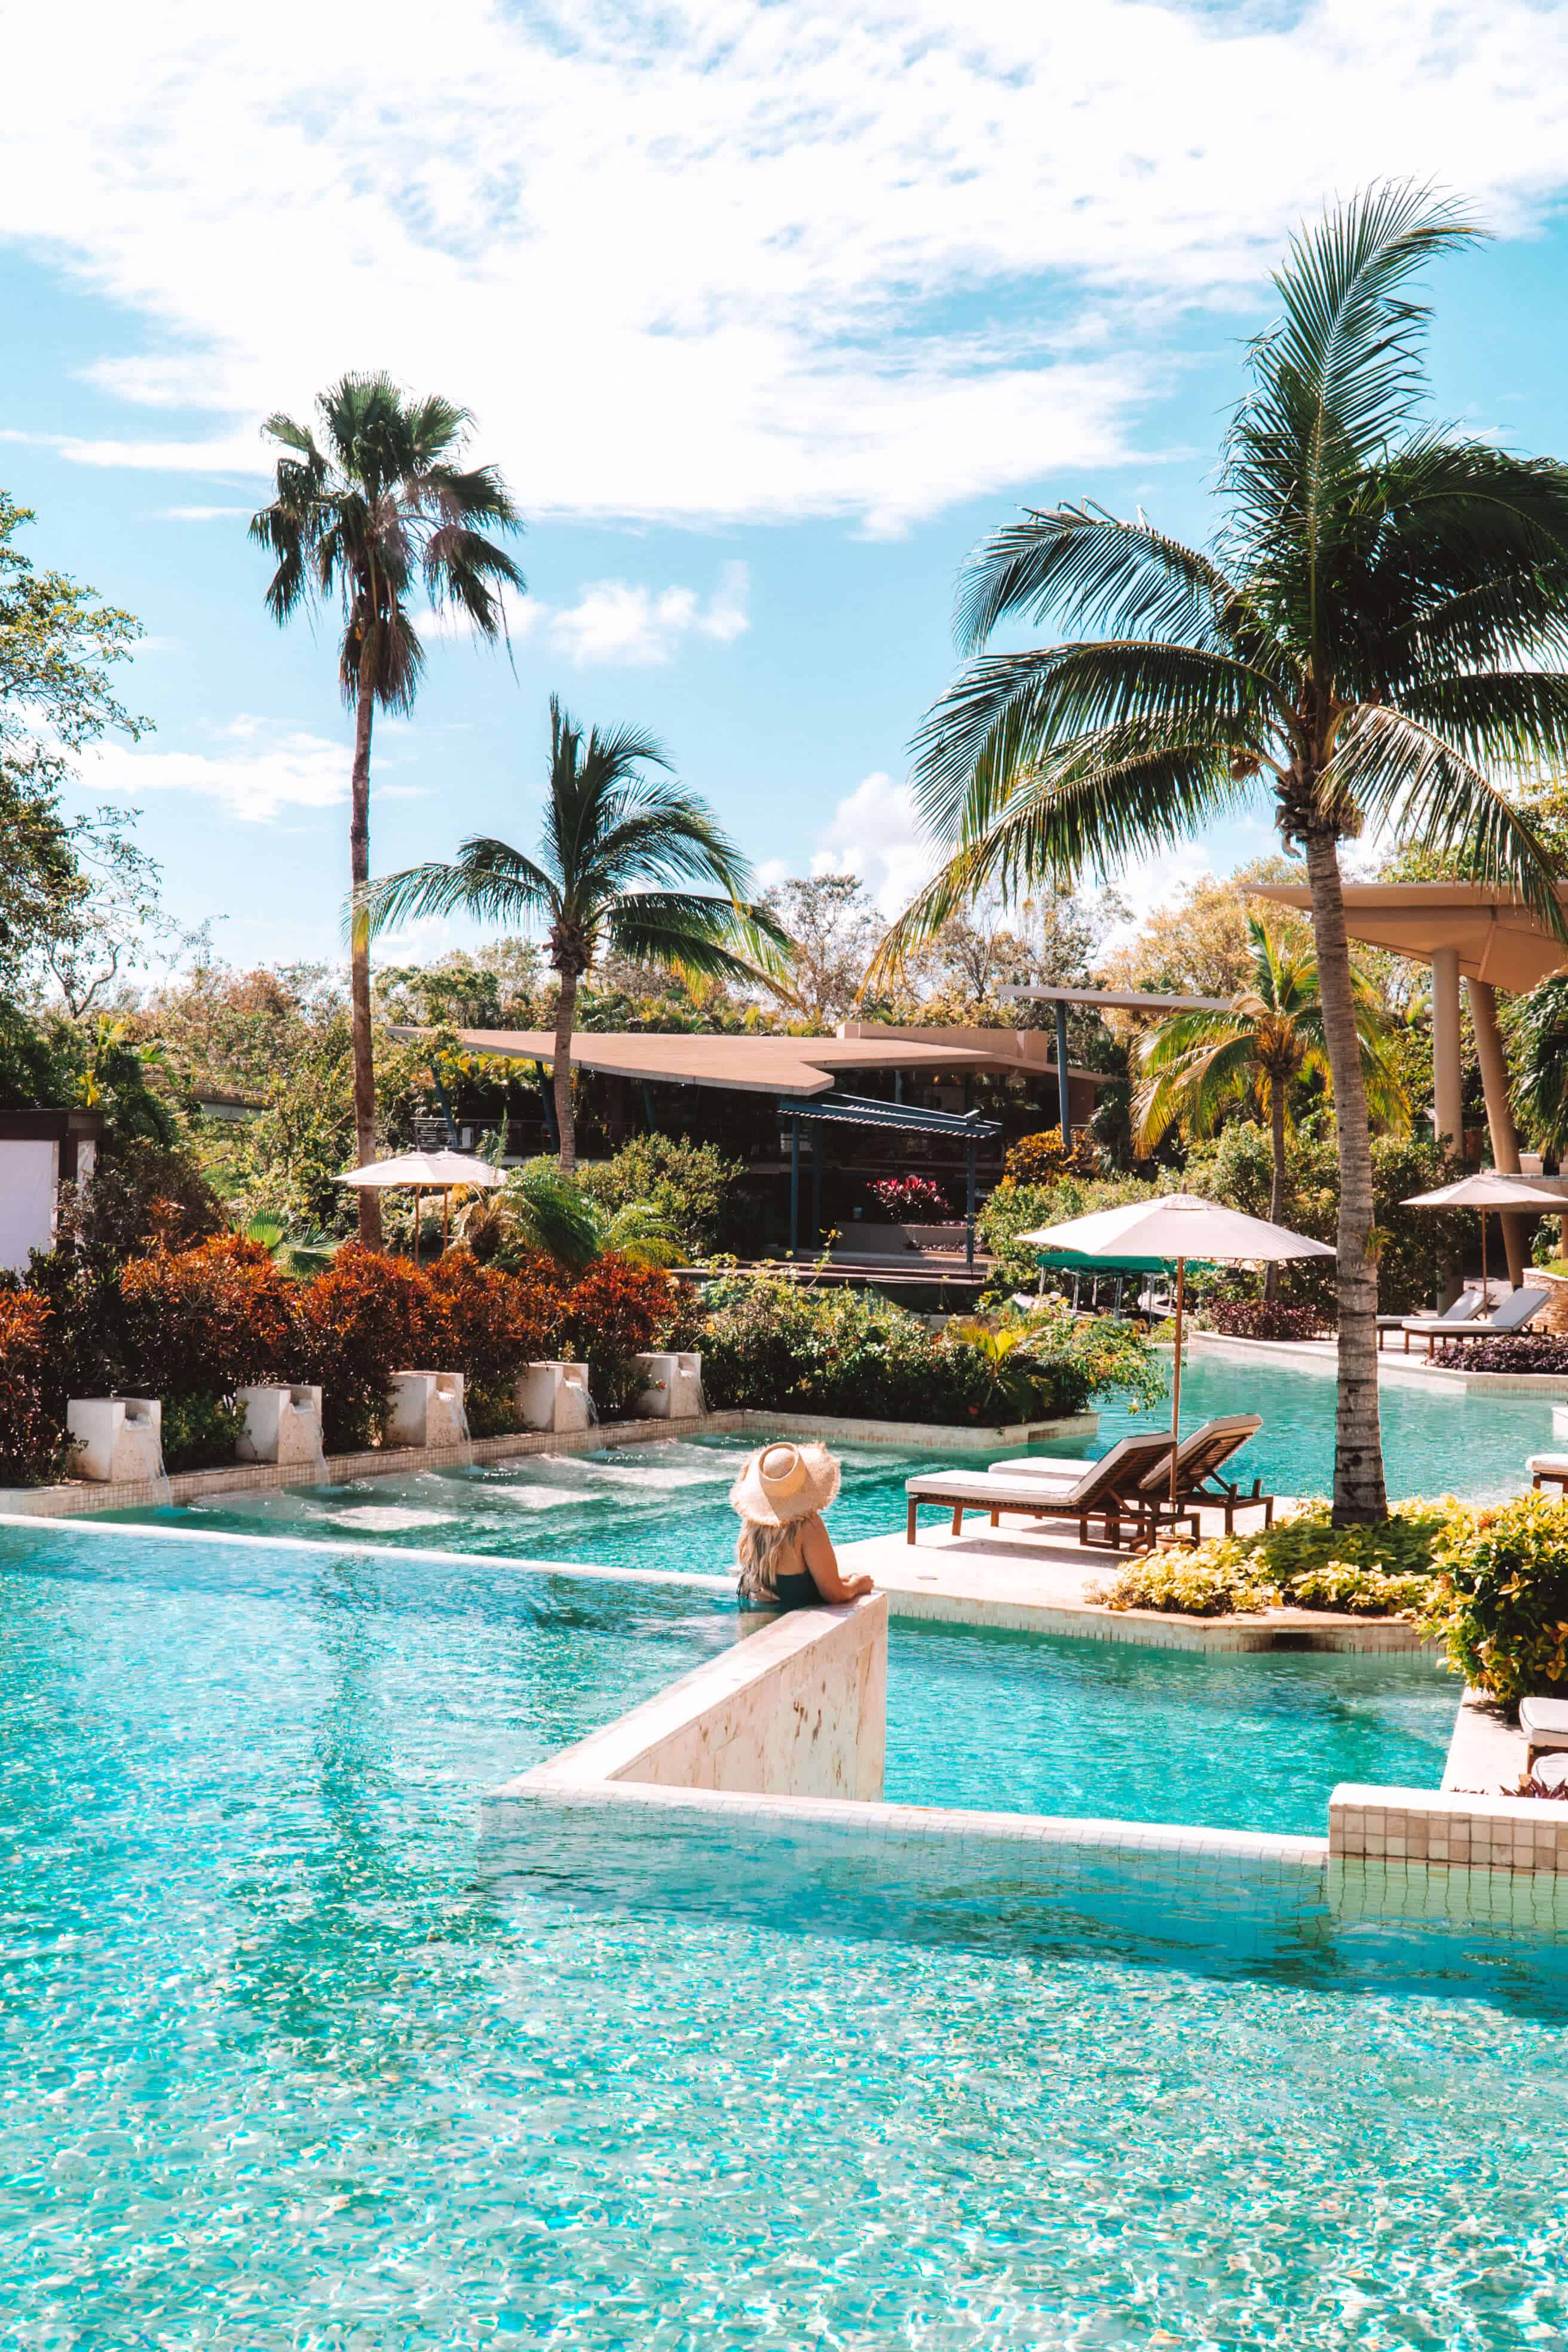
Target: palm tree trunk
[[359, 972], [1359, 1493], [1276, 1188], [565, 1022]]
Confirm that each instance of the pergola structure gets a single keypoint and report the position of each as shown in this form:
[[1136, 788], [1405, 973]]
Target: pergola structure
[[1110, 1000], [853, 1110], [1461, 929]]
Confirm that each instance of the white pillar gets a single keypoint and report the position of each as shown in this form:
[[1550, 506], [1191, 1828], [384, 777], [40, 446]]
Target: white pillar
[[1500, 1116]]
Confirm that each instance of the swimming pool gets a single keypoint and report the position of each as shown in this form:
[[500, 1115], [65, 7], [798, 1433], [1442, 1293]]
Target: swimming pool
[[283, 2066]]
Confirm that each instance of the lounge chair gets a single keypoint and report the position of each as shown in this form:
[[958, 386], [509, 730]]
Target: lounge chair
[[1544, 1723], [1467, 1305], [1547, 1470], [1199, 1459], [1517, 1308], [1202, 1456], [1111, 1489]]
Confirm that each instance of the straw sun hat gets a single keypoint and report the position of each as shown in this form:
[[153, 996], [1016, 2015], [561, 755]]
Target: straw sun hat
[[785, 1482]]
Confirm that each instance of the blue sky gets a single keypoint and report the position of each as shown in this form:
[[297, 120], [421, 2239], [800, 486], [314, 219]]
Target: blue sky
[[767, 316]]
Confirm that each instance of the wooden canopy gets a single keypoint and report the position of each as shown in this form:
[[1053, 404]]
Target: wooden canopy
[[1499, 939]]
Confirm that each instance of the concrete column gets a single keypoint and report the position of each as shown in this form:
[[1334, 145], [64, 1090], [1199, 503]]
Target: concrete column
[[1499, 1116], [1448, 1075]]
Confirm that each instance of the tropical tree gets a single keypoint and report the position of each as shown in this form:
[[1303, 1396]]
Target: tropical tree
[[618, 844], [540, 1209], [1372, 636], [380, 504], [1198, 1065]]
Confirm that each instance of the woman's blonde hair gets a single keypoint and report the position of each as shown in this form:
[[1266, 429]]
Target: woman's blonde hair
[[760, 1553]]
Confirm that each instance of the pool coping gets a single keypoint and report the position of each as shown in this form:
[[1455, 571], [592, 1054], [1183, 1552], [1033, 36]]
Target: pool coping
[[81, 1497]]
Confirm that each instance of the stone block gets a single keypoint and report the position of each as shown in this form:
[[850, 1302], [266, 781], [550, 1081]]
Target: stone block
[[554, 1396], [281, 1424], [673, 1388], [427, 1410], [119, 1440]]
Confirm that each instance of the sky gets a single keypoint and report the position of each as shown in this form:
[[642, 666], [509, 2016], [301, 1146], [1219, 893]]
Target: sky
[[767, 312]]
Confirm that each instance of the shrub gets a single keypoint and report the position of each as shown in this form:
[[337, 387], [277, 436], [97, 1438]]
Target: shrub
[[200, 1432], [691, 1186], [206, 1321], [1039, 1159], [487, 1323], [779, 1343], [615, 1311], [1218, 1579], [32, 1441], [365, 1317], [1383, 1570], [1500, 1602], [910, 1200], [1263, 1319], [1542, 1352]]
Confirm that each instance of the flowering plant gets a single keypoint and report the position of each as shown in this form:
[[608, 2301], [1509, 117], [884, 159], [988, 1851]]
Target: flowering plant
[[910, 1200]]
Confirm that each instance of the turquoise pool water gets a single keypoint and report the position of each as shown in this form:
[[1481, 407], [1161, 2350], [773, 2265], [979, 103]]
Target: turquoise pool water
[[285, 2066], [1030, 1725], [1436, 1439]]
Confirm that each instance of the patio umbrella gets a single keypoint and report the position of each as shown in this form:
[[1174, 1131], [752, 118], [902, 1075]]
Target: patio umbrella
[[1174, 1229], [427, 1171], [1488, 1190]]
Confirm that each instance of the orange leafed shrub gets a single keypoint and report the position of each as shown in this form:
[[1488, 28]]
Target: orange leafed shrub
[[207, 1320], [365, 1317], [486, 1323], [613, 1312], [31, 1440]]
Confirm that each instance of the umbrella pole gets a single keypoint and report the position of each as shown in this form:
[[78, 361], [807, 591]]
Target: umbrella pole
[[1486, 1294], [416, 1224], [446, 1219], [1176, 1380]]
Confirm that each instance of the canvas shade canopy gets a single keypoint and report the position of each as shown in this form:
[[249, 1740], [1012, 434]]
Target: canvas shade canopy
[[1174, 1229], [1488, 1189], [427, 1171]]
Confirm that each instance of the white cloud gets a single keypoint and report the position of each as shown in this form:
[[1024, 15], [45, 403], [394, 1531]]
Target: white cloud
[[740, 295], [256, 771], [876, 832], [202, 514], [621, 622]]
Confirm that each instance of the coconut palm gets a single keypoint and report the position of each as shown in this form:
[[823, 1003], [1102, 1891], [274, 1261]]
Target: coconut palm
[[1371, 638], [616, 846], [1195, 1066], [380, 504]]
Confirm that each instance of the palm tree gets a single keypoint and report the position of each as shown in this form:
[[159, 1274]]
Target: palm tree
[[382, 501], [616, 844], [1198, 1065], [1370, 637], [540, 1209]]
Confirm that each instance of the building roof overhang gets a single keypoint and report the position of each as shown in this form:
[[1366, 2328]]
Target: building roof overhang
[[1499, 939], [772, 1066]]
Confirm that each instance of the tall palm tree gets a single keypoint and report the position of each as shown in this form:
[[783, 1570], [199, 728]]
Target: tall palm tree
[[1198, 1065], [616, 846], [1372, 637], [381, 502]]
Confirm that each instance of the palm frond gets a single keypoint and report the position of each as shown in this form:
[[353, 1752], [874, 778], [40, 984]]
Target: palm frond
[[487, 879], [1409, 777], [682, 932], [1009, 713]]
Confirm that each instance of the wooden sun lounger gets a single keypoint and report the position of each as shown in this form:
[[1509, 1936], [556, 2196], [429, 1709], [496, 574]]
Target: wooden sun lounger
[[1111, 1490], [1200, 1458]]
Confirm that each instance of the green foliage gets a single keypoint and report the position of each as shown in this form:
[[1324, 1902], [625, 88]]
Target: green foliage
[[1500, 1602], [1217, 1580], [776, 1341], [1016, 1208], [540, 1210], [1413, 1245], [691, 1185], [1384, 1570], [200, 1432]]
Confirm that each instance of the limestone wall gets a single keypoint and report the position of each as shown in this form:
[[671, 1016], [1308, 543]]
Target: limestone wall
[[797, 1708]]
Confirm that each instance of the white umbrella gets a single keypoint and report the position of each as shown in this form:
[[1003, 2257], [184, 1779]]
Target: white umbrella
[[1490, 1189], [427, 1171], [1176, 1227]]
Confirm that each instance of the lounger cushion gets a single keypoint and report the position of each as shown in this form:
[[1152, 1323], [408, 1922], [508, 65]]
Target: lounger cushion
[[1063, 1468], [1544, 1721], [1548, 1465], [978, 1487]]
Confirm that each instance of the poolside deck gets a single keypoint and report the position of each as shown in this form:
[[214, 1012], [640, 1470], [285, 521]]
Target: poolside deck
[[1025, 1581]]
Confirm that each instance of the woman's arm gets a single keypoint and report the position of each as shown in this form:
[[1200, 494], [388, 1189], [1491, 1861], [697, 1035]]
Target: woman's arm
[[817, 1550]]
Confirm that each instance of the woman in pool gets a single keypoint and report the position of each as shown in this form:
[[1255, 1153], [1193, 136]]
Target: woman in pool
[[786, 1554]]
